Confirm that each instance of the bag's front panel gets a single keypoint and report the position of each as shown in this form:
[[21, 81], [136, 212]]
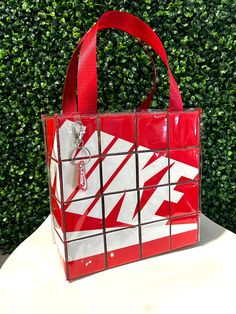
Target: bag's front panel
[[142, 188]]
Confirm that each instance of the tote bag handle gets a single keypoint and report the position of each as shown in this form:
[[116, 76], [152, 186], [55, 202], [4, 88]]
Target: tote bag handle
[[87, 68], [69, 100]]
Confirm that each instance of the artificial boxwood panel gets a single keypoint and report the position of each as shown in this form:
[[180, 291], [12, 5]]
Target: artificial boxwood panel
[[37, 40]]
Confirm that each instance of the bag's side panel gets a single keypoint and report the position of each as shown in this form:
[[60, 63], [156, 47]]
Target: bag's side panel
[[52, 161], [49, 126], [51, 152], [184, 160]]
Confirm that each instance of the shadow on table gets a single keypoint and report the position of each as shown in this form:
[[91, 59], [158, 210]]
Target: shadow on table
[[209, 230]]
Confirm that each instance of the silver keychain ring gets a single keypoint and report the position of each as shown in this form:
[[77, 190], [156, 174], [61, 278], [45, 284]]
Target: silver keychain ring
[[76, 161]]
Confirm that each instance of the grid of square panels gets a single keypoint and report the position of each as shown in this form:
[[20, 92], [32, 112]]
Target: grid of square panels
[[163, 147], [130, 142]]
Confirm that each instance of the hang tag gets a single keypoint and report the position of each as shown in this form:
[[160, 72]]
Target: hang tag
[[82, 180]]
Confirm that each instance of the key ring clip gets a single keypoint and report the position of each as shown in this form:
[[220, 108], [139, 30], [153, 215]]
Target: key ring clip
[[79, 144], [78, 134], [76, 161]]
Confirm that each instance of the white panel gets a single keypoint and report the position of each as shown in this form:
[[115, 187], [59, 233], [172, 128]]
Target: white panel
[[160, 195], [126, 177], [175, 195], [53, 170], [81, 234], [110, 164], [110, 201], [122, 238], [79, 207], [58, 184], [156, 166], [155, 230], [176, 229], [57, 227], [55, 148], [142, 148], [54, 174], [105, 140], [59, 244], [128, 208], [179, 169], [120, 146], [86, 247]]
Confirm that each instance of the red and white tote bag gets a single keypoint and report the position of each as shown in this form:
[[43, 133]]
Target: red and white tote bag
[[123, 186]]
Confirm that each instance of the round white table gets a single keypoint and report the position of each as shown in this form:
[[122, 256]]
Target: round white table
[[193, 280]]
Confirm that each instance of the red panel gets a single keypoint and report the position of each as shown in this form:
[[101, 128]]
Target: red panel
[[190, 219], [119, 126], [86, 266], [184, 129], [152, 130], [184, 239], [189, 202], [155, 247], [187, 237], [123, 256], [187, 156], [50, 130]]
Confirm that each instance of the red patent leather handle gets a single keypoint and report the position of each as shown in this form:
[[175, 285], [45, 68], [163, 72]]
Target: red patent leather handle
[[69, 100], [87, 70]]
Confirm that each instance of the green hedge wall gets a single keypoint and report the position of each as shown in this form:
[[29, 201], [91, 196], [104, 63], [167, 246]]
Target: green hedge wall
[[37, 40]]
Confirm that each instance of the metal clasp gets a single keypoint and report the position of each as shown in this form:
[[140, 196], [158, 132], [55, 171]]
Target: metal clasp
[[78, 134]]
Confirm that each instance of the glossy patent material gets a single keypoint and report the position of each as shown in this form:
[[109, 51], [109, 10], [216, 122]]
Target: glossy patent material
[[123, 186], [142, 193]]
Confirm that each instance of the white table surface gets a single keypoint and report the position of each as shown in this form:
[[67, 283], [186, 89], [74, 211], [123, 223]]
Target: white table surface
[[200, 279]]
